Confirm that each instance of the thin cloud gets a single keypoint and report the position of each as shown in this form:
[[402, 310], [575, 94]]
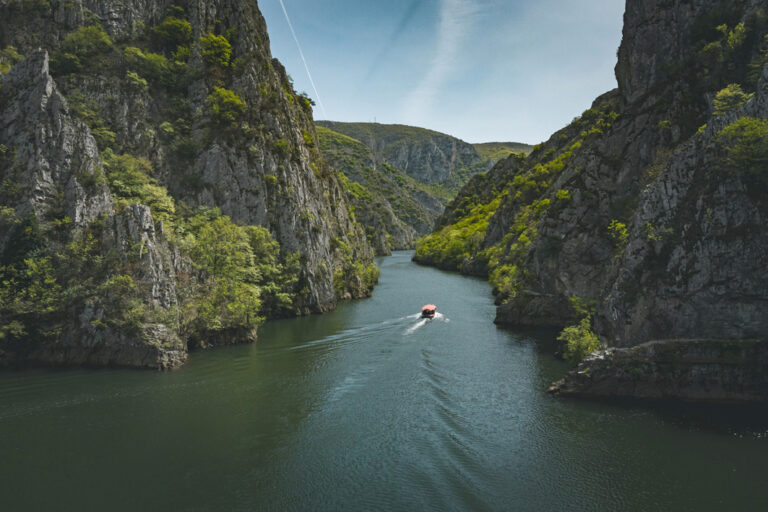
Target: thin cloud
[[457, 18], [396, 34], [304, 60]]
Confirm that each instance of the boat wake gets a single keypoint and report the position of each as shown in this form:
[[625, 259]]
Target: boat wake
[[365, 332], [424, 321]]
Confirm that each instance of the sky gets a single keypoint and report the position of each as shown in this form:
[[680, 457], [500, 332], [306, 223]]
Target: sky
[[480, 70]]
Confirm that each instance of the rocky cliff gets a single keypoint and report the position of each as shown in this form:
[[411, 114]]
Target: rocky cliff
[[394, 207], [127, 127], [645, 215]]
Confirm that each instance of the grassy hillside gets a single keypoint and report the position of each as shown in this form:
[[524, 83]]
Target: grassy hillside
[[426, 155], [393, 207]]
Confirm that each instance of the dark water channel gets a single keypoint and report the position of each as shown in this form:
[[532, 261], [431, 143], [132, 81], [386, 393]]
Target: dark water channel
[[367, 408]]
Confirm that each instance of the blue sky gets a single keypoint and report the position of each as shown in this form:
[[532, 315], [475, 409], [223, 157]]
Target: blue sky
[[481, 70]]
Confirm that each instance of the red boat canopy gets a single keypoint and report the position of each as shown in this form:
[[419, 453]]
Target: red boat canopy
[[429, 307]]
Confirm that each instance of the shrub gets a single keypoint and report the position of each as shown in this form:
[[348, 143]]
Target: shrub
[[226, 106], [173, 32], [87, 111], [215, 50], [122, 302], [87, 41], [730, 98], [746, 147], [65, 63], [737, 36], [579, 340], [29, 295], [152, 65], [8, 57], [619, 234], [130, 181], [136, 82]]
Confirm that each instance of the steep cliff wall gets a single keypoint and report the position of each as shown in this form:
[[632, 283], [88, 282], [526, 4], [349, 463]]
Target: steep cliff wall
[[229, 161], [646, 207], [177, 106], [55, 199], [394, 207]]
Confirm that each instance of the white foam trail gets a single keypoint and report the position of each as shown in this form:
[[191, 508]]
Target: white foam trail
[[304, 60], [412, 329]]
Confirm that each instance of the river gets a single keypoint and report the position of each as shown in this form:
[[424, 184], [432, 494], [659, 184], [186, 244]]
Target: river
[[368, 408]]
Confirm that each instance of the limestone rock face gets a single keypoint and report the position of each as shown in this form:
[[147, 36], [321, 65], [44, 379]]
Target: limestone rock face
[[56, 162], [650, 171], [52, 157], [696, 263], [266, 172], [260, 165]]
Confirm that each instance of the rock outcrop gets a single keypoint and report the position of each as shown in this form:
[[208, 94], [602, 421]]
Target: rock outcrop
[[692, 370], [54, 166], [50, 157]]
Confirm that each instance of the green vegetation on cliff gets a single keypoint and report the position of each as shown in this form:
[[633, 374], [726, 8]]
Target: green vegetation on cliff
[[426, 155], [523, 185], [204, 206], [392, 206], [746, 146]]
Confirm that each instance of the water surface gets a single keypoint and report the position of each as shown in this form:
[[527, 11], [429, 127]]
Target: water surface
[[368, 408]]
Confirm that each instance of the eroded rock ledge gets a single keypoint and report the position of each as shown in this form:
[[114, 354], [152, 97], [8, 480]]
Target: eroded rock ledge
[[729, 371]]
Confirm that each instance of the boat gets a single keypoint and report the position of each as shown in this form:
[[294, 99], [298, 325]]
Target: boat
[[428, 311]]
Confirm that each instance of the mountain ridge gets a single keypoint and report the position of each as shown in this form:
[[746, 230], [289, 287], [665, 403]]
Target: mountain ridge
[[426, 155]]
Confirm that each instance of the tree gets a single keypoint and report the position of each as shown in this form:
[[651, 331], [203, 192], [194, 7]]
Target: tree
[[226, 106], [746, 145], [8, 57], [174, 32], [229, 297], [730, 98], [579, 340], [224, 251], [87, 41], [215, 50]]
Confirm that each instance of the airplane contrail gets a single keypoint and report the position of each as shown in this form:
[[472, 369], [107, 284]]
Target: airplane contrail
[[304, 60]]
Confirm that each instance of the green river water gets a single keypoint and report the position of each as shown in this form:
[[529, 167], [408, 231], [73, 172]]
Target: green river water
[[368, 408]]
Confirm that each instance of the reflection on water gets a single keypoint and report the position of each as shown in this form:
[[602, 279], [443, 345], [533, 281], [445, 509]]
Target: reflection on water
[[368, 408]]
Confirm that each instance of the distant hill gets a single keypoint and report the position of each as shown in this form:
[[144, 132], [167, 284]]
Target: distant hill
[[393, 208], [426, 155]]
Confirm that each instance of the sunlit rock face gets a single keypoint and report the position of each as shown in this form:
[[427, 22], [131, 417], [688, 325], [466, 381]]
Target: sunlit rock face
[[260, 168]]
